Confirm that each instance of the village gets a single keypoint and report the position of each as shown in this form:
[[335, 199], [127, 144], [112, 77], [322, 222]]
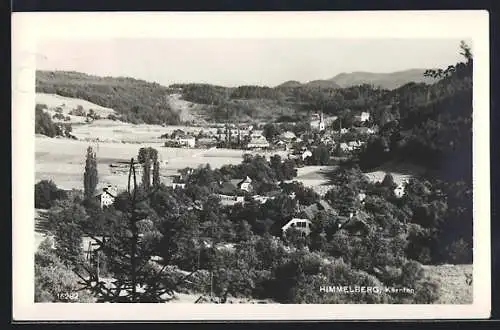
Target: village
[[299, 148]]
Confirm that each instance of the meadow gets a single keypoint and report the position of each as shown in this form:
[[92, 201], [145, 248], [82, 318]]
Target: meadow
[[63, 160]]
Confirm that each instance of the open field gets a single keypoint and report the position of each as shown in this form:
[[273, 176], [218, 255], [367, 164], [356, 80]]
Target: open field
[[452, 283], [116, 131], [315, 177], [67, 104], [378, 176], [63, 160]]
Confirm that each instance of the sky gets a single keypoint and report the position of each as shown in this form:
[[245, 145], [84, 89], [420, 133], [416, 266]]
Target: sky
[[233, 62]]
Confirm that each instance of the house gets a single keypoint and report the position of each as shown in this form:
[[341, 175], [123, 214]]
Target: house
[[230, 200], [303, 225], [306, 154], [230, 193], [399, 191], [178, 185], [187, 141], [351, 145], [107, 196], [258, 142], [364, 116], [235, 186], [318, 122], [245, 184]]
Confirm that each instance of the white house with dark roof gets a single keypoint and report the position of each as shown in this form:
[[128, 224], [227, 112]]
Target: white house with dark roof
[[303, 225], [245, 184], [107, 196]]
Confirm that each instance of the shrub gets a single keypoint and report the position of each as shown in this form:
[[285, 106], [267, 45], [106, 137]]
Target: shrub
[[411, 273], [44, 124], [426, 292], [459, 252], [419, 241], [54, 282], [46, 193]]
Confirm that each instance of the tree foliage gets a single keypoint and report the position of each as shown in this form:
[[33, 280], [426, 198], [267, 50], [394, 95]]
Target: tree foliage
[[46, 193], [90, 176]]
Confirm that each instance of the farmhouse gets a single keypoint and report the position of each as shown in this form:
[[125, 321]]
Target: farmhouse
[[230, 192], [303, 225], [107, 196]]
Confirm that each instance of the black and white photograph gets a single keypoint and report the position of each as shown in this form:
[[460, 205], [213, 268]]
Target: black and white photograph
[[272, 169]]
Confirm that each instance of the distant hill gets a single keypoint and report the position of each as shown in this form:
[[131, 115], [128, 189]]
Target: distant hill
[[134, 100], [384, 80], [322, 84], [290, 84]]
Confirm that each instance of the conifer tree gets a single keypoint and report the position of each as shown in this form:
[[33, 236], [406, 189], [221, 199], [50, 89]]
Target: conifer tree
[[129, 248]]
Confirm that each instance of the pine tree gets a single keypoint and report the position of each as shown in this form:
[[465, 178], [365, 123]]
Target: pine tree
[[128, 250], [90, 177]]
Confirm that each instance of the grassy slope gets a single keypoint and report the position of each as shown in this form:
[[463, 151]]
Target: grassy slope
[[119, 93], [452, 282]]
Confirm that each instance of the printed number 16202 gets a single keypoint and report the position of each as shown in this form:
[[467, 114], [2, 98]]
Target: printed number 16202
[[68, 296]]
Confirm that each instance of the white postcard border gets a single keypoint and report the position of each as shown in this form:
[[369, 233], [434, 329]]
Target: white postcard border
[[30, 28]]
